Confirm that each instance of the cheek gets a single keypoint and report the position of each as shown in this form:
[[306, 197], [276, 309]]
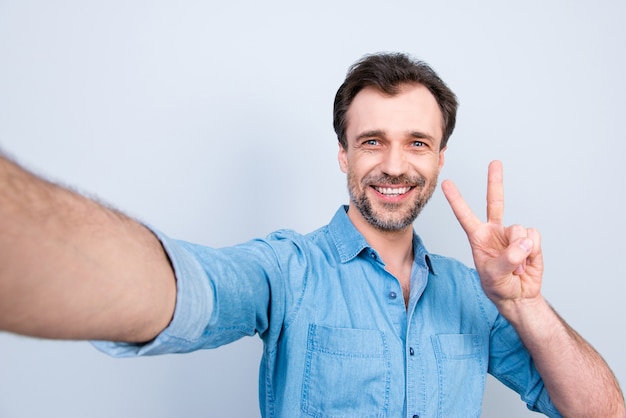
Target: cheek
[[357, 167], [429, 167]]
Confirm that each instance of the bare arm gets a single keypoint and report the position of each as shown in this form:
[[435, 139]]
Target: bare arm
[[71, 268], [509, 261]]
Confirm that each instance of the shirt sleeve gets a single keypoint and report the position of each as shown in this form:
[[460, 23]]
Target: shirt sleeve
[[194, 296], [511, 364], [222, 295]]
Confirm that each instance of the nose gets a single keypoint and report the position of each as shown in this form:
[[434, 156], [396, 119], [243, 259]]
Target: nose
[[394, 161]]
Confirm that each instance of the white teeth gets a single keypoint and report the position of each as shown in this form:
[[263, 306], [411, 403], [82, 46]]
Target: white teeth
[[392, 191]]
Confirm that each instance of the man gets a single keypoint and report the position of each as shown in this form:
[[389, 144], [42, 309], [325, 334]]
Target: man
[[357, 318]]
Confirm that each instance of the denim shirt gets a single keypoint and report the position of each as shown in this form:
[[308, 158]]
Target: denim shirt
[[338, 338]]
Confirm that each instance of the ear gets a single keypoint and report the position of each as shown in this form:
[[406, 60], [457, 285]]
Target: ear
[[441, 157], [343, 159]]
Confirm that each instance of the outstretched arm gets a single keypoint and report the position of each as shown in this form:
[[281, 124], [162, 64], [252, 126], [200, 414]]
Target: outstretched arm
[[71, 268], [510, 265]]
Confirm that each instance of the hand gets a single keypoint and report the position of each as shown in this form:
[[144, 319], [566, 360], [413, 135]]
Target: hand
[[508, 259]]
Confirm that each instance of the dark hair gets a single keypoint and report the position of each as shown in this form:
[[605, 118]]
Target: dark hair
[[388, 72]]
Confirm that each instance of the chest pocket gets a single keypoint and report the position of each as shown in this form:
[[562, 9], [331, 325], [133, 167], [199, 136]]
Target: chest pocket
[[347, 373], [461, 368]]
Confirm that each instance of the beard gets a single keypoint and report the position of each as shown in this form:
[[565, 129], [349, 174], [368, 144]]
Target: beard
[[390, 216]]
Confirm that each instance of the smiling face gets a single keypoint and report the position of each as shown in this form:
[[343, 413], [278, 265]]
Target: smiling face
[[392, 157]]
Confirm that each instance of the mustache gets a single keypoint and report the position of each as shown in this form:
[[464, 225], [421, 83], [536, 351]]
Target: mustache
[[413, 181]]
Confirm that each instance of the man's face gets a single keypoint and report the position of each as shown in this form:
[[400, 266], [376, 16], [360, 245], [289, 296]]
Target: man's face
[[392, 157]]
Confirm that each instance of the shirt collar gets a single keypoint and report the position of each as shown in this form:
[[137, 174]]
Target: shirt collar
[[347, 239], [422, 256], [350, 242]]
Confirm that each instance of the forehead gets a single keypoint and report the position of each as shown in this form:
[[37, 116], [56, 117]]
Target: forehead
[[412, 109]]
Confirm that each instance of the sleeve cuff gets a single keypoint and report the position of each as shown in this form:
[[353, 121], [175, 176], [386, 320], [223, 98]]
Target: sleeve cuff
[[194, 305]]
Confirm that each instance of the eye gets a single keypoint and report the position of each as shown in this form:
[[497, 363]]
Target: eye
[[418, 144], [371, 142]]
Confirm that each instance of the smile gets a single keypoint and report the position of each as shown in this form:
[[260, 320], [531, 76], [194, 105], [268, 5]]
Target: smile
[[392, 191]]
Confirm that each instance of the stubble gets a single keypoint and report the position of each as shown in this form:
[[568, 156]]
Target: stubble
[[390, 216]]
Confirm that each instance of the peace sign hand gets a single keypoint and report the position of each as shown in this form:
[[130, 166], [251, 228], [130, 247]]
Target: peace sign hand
[[508, 259]]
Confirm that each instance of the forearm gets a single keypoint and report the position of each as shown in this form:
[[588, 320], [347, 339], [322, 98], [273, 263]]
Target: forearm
[[578, 380], [71, 268]]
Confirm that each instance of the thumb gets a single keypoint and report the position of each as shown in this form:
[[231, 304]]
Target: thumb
[[513, 259]]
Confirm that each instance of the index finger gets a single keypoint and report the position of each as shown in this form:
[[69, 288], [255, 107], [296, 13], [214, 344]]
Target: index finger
[[469, 222], [495, 193]]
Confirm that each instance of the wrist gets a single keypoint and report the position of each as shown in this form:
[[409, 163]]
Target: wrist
[[530, 315]]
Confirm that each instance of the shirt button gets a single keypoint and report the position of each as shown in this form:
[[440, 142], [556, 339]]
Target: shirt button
[[411, 352], [373, 255], [392, 295], [416, 416]]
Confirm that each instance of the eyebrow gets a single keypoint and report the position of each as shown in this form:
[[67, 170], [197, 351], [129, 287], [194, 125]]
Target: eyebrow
[[422, 135], [371, 134]]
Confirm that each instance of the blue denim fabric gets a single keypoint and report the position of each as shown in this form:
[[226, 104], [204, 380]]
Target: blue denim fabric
[[338, 339]]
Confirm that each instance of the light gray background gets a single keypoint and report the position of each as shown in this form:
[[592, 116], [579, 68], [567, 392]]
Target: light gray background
[[212, 121]]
